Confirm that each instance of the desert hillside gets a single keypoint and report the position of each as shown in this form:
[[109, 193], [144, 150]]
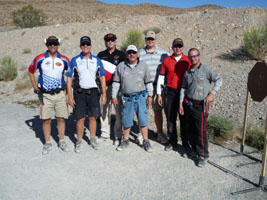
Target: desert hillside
[[68, 11], [217, 32]]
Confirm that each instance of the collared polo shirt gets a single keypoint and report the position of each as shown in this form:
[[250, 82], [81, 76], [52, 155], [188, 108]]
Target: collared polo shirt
[[51, 70], [84, 71]]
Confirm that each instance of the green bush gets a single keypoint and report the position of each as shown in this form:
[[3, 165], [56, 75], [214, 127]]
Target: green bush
[[219, 127], [154, 28], [255, 138], [134, 37], [28, 17], [255, 43], [8, 69]]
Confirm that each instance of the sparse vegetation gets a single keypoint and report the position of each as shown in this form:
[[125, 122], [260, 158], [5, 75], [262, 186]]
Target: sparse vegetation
[[8, 69], [219, 127], [255, 43], [28, 17], [155, 29], [255, 138], [134, 37]]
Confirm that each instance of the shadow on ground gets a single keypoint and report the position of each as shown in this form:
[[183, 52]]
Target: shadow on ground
[[235, 55]]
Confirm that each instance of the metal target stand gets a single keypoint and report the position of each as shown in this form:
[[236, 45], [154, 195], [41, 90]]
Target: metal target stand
[[257, 86]]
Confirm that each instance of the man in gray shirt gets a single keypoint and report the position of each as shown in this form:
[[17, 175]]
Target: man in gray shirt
[[196, 95], [153, 56], [133, 79]]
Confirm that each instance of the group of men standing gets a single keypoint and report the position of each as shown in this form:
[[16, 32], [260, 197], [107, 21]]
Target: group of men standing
[[132, 81]]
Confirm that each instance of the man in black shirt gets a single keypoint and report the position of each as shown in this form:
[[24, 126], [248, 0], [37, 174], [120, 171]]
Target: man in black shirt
[[114, 57]]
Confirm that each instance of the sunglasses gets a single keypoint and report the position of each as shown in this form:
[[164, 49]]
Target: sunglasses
[[108, 40], [152, 39], [178, 46], [194, 56], [86, 43], [131, 52], [53, 43]]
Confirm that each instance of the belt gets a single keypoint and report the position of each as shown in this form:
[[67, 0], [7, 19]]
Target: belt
[[135, 94], [190, 102], [86, 91], [52, 92]]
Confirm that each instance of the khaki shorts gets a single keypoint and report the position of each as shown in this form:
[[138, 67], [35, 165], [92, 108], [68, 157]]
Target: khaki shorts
[[155, 104], [54, 104]]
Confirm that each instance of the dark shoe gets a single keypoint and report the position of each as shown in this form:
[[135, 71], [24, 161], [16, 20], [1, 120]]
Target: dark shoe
[[147, 146], [169, 147], [161, 138], [124, 144], [201, 162]]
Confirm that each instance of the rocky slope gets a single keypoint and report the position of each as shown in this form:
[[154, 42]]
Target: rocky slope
[[217, 33]]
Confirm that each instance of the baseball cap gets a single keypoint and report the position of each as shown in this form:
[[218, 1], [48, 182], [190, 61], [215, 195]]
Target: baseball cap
[[151, 34], [85, 39], [131, 47], [177, 41], [52, 40], [110, 36]]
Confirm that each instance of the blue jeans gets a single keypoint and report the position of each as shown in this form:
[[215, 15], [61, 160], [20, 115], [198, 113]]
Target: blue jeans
[[137, 104]]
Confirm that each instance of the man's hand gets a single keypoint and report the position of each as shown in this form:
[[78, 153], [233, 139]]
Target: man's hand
[[159, 100], [71, 101], [103, 99], [148, 101], [181, 109], [209, 98], [40, 96], [115, 101]]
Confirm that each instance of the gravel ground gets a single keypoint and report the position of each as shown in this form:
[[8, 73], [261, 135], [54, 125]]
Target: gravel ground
[[108, 174]]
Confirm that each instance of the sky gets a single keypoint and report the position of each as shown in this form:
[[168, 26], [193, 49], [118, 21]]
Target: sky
[[193, 3]]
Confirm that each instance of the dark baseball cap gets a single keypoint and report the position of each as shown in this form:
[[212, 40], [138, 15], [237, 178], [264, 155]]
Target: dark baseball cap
[[52, 40], [85, 40], [110, 36], [177, 41]]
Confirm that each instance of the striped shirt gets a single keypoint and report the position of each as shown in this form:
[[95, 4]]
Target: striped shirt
[[153, 60]]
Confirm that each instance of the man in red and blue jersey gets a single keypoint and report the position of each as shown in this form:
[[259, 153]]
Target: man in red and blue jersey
[[51, 90]]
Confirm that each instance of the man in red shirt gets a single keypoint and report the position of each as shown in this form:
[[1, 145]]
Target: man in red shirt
[[172, 70]]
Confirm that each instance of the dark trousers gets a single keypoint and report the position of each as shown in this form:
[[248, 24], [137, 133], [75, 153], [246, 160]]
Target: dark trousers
[[196, 123], [171, 110]]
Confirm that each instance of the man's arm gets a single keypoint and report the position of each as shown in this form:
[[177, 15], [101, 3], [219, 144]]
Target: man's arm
[[104, 94], [34, 85], [71, 101], [216, 79]]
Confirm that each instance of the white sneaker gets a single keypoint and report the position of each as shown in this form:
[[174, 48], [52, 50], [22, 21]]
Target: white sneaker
[[78, 147], [47, 148], [139, 139], [63, 146]]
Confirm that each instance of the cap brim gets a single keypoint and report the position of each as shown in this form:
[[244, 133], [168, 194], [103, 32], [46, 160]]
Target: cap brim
[[86, 42]]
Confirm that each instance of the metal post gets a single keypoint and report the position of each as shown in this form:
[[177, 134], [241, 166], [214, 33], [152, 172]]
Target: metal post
[[264, 157], [245, 124]]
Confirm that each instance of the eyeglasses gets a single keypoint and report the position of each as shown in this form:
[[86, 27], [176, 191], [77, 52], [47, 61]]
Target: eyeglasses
[[53, 43], [87, 44], [194, 56], [152, 39], [131, 52], [110, 40], [178, 46]]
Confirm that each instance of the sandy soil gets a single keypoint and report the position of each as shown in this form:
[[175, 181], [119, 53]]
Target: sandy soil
[[107, 174]]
